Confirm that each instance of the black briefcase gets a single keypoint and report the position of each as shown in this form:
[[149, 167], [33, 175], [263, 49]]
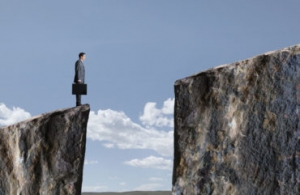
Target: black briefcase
[[79, 89]]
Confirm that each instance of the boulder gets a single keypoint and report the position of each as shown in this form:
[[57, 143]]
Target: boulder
[[45, 154], [237, 128]]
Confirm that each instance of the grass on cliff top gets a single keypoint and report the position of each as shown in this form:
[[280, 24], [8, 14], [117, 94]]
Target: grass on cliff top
[[129, 193]]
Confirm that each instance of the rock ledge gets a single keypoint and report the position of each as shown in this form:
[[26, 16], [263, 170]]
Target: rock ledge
[[237, 128], [45, 154]]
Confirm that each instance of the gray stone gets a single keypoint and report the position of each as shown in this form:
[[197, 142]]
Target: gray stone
[[45, 154], [237, 128]]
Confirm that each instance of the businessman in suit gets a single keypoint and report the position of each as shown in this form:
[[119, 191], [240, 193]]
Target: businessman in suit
[[79, 74]]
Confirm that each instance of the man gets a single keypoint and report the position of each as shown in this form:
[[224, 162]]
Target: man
[[79, 74]]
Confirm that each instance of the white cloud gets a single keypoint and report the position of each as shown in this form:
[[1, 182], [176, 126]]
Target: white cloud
[[122, 184], [109, 145], [155, 179], [148, 187], [153, 116], [152, 162], [117, 130], [113, 178], [11, 116], [86, 162], [97, 188]]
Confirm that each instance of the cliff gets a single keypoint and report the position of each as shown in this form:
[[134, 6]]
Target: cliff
[[45, 154], [237, 128]]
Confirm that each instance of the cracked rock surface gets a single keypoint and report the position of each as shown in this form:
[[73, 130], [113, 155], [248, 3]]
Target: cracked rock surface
[[237, 128], [45, 154]]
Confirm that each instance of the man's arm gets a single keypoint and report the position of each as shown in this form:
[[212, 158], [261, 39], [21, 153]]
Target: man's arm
[[77, 72]]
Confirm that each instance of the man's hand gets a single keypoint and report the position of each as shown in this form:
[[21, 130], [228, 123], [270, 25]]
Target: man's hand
[[79, 81]]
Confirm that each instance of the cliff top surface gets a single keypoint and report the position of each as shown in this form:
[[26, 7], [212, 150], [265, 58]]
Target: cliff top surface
[[295, 49], [83, 107]]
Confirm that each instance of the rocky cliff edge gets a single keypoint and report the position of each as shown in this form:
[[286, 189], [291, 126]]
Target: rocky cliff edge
[[237, 128], [45, 154]]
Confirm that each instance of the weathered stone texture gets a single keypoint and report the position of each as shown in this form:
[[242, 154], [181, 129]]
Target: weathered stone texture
[[237, 128], [45, 154]]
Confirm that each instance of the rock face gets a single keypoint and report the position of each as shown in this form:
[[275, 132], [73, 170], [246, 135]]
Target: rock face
[[237, 128], [45, 154]]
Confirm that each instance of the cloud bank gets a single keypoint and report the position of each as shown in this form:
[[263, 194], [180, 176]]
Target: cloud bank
[[92, 162], [96, 188], [11, 116], [151, 162], [115, 129], [148, 187]]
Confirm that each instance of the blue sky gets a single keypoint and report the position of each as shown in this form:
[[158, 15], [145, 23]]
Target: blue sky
[[136, 49]]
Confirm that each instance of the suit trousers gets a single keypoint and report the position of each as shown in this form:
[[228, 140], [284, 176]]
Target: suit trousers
[[78, 100]]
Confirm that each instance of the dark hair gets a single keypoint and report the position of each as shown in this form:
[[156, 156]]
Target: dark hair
[[81, 54]]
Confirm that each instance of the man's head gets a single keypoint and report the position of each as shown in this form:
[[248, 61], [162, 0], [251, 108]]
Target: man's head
[[81, 56]]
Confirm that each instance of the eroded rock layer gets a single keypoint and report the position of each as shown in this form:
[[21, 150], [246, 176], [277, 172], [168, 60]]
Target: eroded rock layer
[[45, 154], [237, 128]]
